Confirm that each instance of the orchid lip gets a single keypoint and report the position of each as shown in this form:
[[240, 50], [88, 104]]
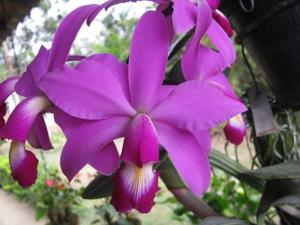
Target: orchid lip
[[135, 188], [23, 164]]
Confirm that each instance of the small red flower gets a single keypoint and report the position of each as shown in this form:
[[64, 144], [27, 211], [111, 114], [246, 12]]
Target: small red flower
[[49, 182]]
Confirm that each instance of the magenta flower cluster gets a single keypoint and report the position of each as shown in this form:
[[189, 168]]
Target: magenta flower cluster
[[101, 99]]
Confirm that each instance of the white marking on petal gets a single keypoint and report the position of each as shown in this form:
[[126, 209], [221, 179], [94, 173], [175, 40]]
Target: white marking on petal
[[16, 153], [37, 104], [136, 180], [237, 122]]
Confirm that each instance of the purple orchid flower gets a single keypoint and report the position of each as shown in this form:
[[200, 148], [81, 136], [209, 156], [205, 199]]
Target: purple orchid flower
[[119, 100], [28, 115], [202, 63]]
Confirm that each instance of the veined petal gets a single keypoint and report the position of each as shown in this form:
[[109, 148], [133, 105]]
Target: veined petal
[[66, 122], [204, 140], [187, 156], [28, 83], [235, 130], [220, 81], [66, 34], [135, 188], [23, 164], [90, 91], [222, 20], [200, 62], [141, 143], [7, 87], [213, 4], [195, 105], [184, 15], [164, 92], [107, 160], [117, 68], [161, 7], [38, 136], [85, 142], [222, 42], [148, 59], [204, 20], [23, 117]]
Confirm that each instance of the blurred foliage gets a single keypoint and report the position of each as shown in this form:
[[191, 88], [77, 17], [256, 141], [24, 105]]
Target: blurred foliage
[[116, 37], [227, 196], [50, 195], [30, 32], [108, 215]]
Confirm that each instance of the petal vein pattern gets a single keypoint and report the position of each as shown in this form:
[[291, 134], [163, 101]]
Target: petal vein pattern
[[194, 105], [87, 140], [190, 160], [148, 60], [90, 91]]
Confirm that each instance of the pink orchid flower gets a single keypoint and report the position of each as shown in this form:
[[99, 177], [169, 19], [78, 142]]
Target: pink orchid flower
[[202, 63], [26, 122], [120, 100]]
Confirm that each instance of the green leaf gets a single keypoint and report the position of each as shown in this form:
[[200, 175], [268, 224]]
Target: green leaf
[[168, 173], [233, 168], [287, 170], [100, 187], [40, 212], [216, 220], [279, 193]]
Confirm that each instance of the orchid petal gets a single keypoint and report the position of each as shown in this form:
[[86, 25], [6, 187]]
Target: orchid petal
[[86, 141], [235, 130], [107, 160], [220, 81], [23, 117], [38, 136], [187, 156], [7, 87], [135, 188], [23, 164], [164, 92], [213, 4], [161, 7], [200, 62], [184, 15], [222, 42], [28, 84], [222, 20], [66, 122], [93, 92], [195, 105], [147, 60], [203, 22], [204, 140], [117, 68], [66, 34], [140, 144]]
